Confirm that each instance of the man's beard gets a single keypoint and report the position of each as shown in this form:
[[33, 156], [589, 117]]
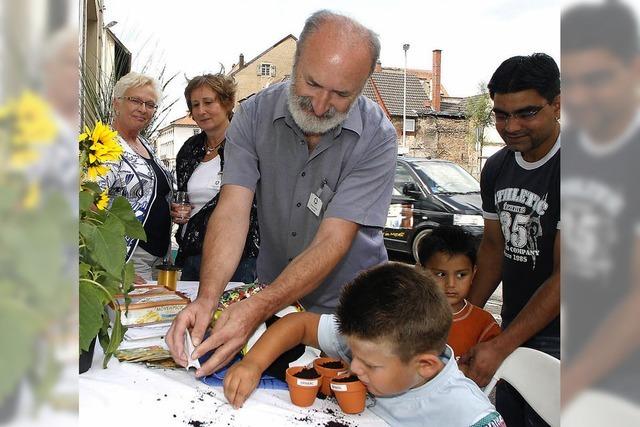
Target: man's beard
[[302, 112]]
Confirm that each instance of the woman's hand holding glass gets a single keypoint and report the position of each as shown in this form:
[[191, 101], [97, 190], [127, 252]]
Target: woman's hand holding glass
[[180, 207]]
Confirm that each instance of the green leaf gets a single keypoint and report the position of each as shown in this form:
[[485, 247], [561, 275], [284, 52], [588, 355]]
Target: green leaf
[[117, 334], [19, 338], [86, 200], [114, 225], [91, 305], [122, 210], [128, 276], [84, 270], [93, 187], [107, 247]]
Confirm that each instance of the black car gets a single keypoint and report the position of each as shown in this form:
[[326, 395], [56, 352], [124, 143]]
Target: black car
[[426, 194]]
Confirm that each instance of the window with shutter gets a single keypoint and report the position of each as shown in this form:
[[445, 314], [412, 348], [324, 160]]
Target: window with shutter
[[265, 69]]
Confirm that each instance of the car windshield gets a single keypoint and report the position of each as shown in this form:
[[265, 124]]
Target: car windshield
[[443, 177]]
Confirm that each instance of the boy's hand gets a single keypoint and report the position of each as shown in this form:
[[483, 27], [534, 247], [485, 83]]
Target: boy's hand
[[240, 381]]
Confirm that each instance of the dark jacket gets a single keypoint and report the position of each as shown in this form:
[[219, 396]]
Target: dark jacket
[[189, 156]]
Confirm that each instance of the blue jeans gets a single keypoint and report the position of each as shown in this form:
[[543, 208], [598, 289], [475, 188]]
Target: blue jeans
[[245, 273], [513, 408]]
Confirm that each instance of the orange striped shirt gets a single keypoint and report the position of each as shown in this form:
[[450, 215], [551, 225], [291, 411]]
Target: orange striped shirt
[[471, 325]]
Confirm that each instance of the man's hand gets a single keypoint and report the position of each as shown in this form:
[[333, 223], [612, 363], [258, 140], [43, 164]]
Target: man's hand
[[196, 315], [230, 333], [240, 381], [482, 361]]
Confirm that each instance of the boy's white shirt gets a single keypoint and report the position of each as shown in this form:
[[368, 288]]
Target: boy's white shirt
[[449, 399]]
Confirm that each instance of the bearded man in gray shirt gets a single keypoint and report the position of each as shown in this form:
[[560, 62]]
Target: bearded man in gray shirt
[[320, 159]]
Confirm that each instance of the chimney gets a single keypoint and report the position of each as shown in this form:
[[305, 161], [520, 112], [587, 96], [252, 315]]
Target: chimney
[[435, 82], [241, 62], [378, 67]]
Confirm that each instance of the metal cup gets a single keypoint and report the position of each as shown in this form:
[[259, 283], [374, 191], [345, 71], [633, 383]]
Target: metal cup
[[168, 276]]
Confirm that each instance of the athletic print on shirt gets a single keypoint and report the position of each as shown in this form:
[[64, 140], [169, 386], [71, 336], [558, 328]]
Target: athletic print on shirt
[[591, 211], [521, 211]]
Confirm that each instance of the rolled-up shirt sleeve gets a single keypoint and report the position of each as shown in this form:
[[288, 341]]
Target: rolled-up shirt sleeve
[[330, 340], [363, 196], [241, 158]]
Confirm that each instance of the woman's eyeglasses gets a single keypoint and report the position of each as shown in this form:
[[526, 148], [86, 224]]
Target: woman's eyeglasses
[[139, 102]]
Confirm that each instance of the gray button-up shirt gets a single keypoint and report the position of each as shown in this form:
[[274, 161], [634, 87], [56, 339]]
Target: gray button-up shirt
[[351, 171]]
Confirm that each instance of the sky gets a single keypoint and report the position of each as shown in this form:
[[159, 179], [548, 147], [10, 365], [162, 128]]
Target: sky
[[192, 37]]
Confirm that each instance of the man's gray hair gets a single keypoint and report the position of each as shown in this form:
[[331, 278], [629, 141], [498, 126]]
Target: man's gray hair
[[348, 26]]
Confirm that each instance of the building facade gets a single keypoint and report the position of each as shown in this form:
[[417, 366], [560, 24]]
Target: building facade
[[170, 139], [271, 66]]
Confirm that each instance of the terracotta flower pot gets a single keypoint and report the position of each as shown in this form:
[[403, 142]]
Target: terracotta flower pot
[[302, 390], [351, 395], [328, 373]]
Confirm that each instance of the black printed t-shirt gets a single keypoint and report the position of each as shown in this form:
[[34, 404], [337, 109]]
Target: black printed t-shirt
[[525, 198], [158, 223], [601, 219]]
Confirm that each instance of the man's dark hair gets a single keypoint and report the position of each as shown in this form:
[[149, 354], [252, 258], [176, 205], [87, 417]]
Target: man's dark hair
[[538, 71], [610, 26], [396, 303], [451, 240]]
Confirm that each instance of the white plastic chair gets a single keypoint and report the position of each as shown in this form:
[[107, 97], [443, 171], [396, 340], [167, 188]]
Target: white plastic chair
[[536, 376]]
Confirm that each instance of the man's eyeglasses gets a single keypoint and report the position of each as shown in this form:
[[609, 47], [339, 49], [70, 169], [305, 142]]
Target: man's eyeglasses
[[526, 114], [139, 102]]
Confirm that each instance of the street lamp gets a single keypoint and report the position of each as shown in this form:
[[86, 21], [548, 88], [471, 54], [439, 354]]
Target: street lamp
[[405, 47]]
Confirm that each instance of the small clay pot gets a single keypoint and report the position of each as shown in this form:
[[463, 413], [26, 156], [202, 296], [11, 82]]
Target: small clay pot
[[328, 373], [302, 390], [351, 395]]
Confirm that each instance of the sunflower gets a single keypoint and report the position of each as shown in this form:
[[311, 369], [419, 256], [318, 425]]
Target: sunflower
[[103, 202], [95, 171], [100, 146], [34, 122]]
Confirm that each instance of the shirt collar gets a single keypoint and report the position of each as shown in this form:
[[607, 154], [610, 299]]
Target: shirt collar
[[353, 122]]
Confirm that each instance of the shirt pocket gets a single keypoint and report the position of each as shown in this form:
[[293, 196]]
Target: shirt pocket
[[326, 195]]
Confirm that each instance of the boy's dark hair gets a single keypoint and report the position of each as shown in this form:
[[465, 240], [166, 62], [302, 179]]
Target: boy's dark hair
[[610, 26], [450, 239], [538, 71], [395, 302]]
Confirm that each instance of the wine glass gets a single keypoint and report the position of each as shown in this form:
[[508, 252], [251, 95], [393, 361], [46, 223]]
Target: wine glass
[[182, 198]]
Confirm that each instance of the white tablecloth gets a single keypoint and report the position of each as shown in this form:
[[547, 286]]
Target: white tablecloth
[[130, 394]]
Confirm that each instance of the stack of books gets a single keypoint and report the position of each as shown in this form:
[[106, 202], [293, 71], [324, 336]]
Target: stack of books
[[148, 317]]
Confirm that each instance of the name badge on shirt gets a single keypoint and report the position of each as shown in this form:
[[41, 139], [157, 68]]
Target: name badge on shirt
[[314, 204], [218, 180]]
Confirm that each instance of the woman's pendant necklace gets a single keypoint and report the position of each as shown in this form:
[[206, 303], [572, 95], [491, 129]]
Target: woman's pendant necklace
[[209, 150]]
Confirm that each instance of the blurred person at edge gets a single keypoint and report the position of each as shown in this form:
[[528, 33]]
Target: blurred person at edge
[[520, 187], [199, 166], [320, 159], [139, 175], [57, 169], [601, 201]]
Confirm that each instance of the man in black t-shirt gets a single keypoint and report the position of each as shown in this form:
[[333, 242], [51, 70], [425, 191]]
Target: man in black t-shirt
[[601, 210], [521, 244]]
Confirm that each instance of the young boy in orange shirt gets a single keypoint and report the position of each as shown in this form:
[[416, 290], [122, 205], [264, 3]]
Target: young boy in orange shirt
[[449, 254]]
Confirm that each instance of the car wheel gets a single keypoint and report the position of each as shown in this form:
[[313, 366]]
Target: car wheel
[[416, 242]]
